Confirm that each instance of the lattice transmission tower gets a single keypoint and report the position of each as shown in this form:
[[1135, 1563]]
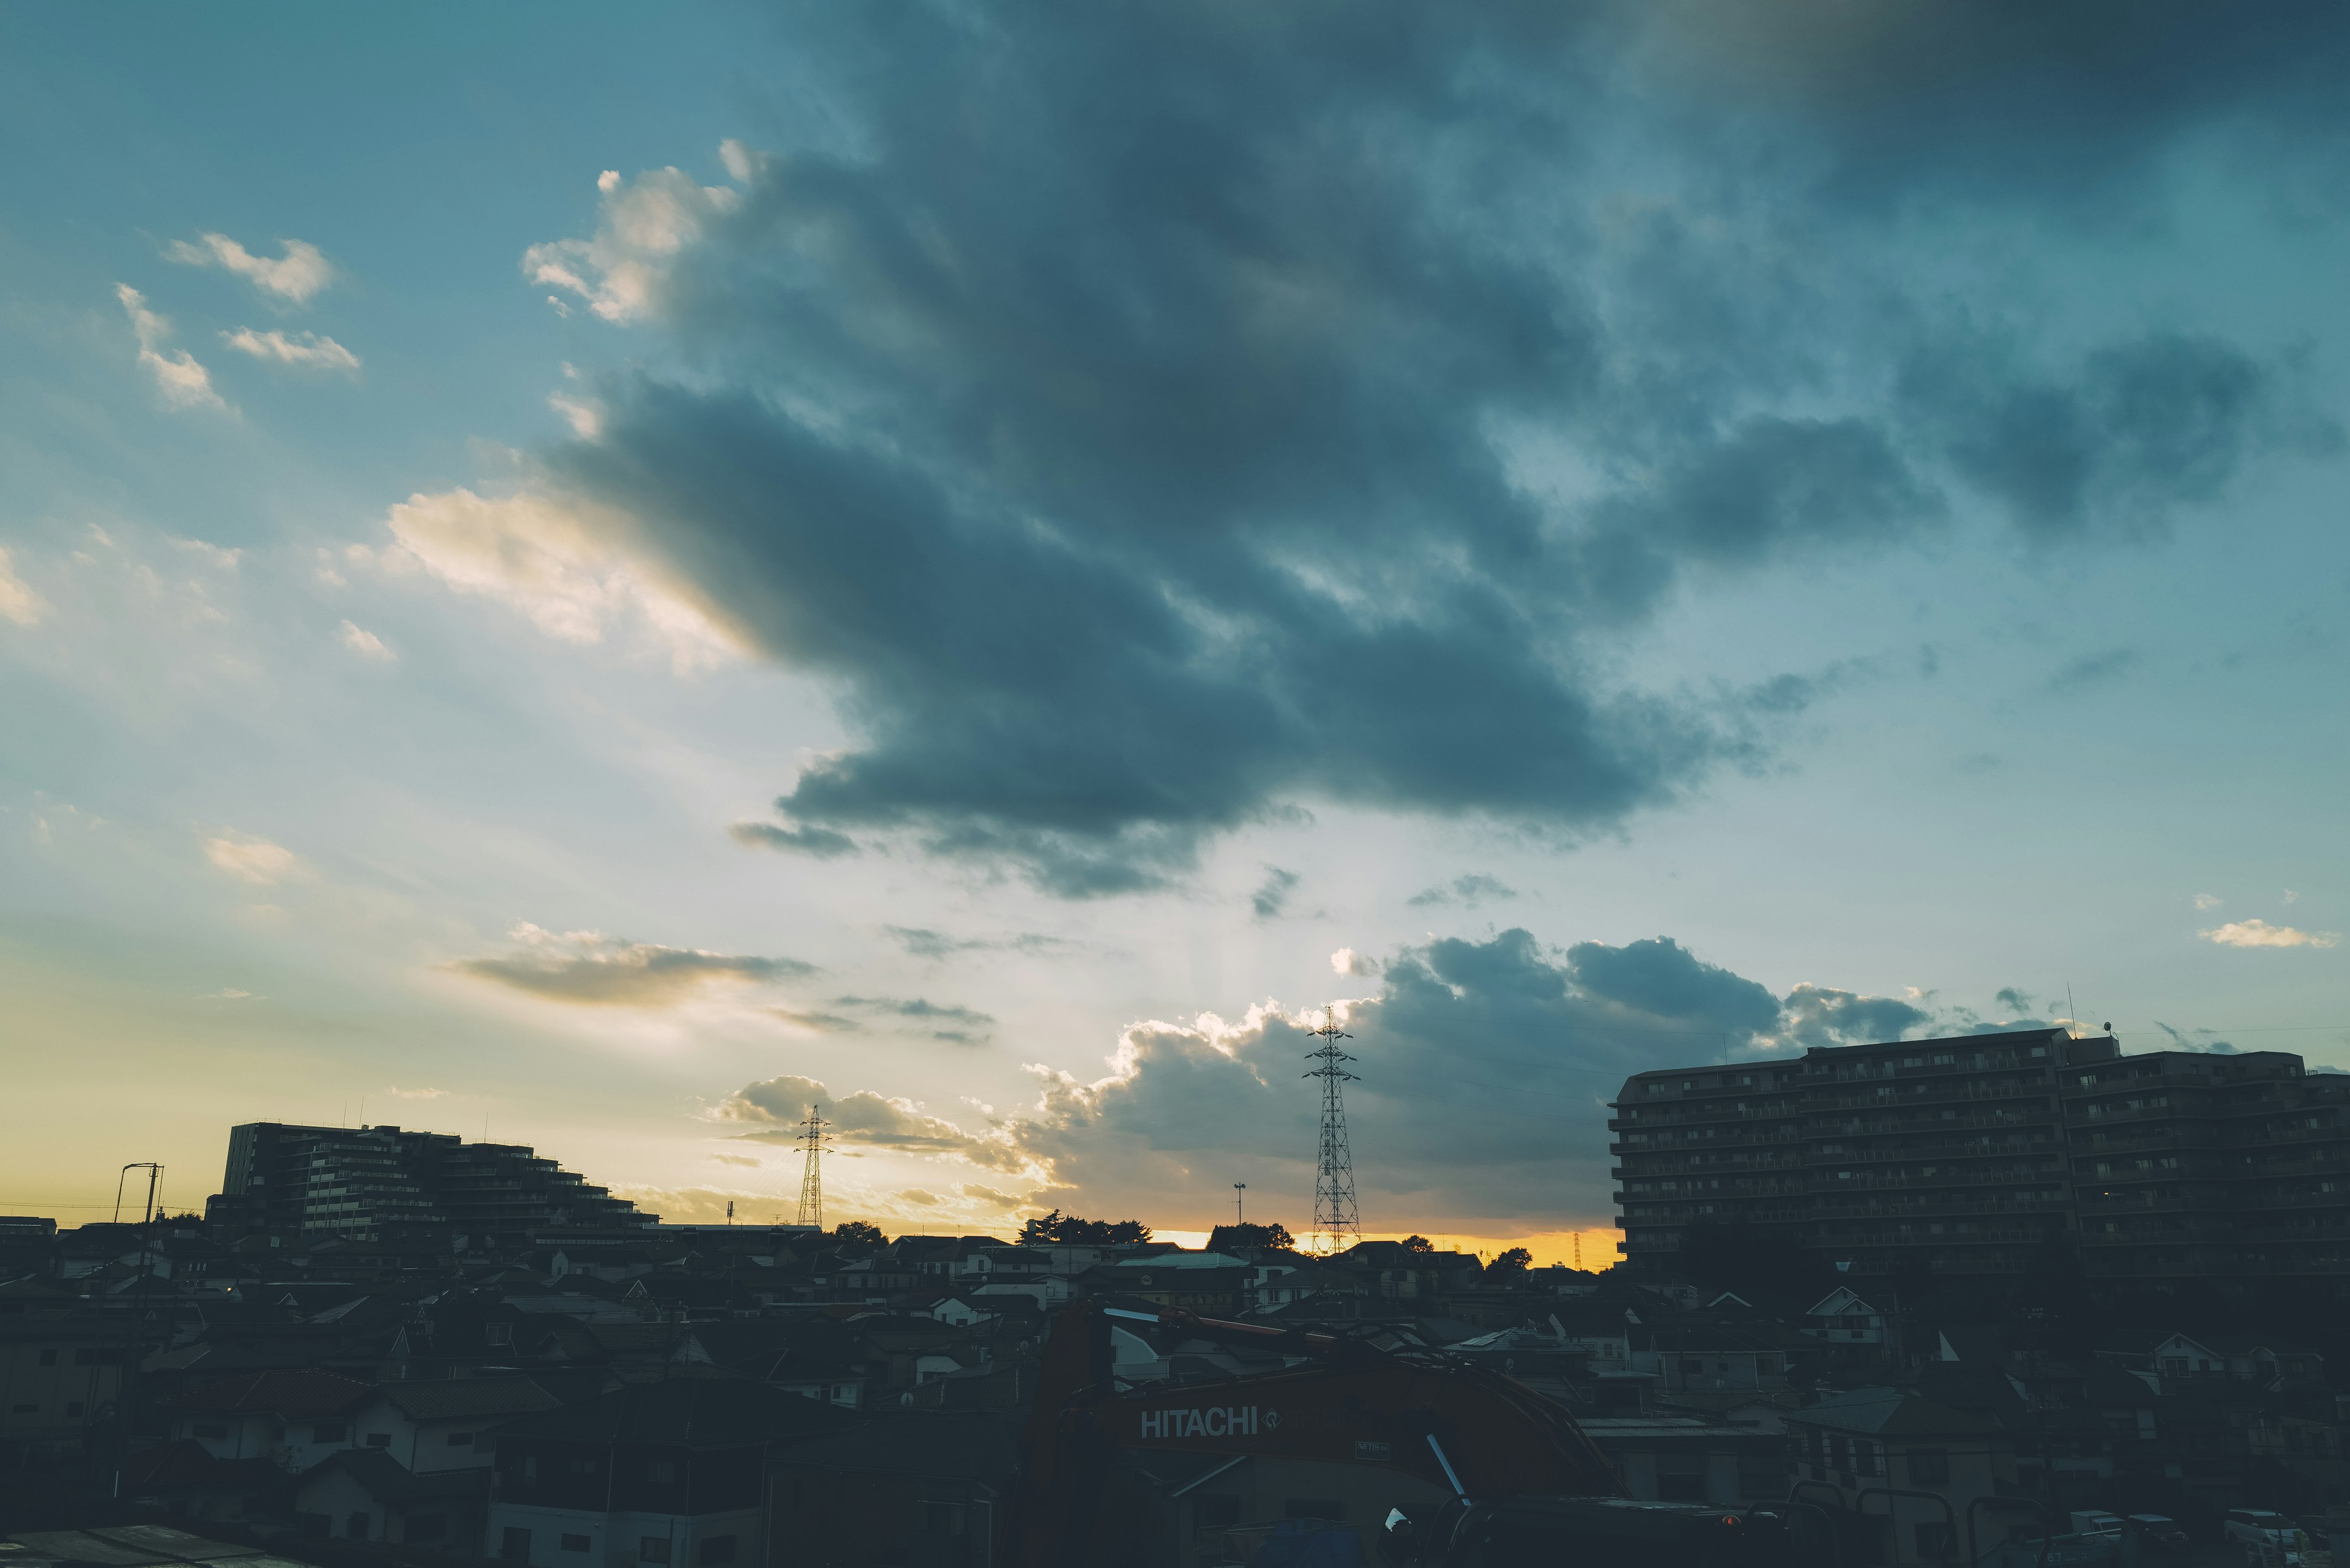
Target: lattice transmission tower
[[812, 1138], [1333, 1174]]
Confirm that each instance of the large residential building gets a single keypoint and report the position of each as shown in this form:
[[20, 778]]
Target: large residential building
[[366, 1182], [1998, 1154]]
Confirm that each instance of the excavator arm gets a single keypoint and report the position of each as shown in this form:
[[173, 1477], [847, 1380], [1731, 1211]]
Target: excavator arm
[[1465, 1430]]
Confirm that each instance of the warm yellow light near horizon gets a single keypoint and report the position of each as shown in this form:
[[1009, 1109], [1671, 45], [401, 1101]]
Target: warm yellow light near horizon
[[1547, 1246]]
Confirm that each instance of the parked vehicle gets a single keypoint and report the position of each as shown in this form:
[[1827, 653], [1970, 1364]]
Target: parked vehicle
[[2157, 1536], [2266, 1538], [2096, 1522]]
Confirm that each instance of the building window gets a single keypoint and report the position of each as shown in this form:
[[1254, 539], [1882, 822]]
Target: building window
[[48, 1358], [355, 1527], [1680, 1486], [652, 1549], [328, 1432], [1929, 1467], [573, 1542], [379, 1440], [717, 1549], [461, 1440], [942, 1519], [663, 1471], [74, 1408], [23, 1409], [217, 1430]]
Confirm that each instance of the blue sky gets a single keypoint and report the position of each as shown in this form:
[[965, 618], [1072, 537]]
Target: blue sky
[[979, 565]]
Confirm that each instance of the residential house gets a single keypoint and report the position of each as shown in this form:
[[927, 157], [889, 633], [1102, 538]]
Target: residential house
[[58, 1376], [444, 1424], [1875, 1448], [293, 1419], [365, 1494], [668, 1473]]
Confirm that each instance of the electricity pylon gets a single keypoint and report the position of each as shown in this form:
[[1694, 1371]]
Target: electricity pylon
[[1333, 1174], [812, 1136]]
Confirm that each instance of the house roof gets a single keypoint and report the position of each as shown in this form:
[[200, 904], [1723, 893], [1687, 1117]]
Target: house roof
[[1891, 1412], [970, 1445], [301, 1391], [685, 1412], [385, 1479], [455, 1399]]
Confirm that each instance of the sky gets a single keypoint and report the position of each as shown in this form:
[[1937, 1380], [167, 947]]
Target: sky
[[594, 575]]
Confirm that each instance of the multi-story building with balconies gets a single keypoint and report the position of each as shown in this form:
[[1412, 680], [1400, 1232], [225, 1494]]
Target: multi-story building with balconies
[[367, 1182], [1998, 1154]]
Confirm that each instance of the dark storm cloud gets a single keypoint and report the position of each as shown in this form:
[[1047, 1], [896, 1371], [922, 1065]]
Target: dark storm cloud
[[1150, 418], [2004, 101], [2138, 430]]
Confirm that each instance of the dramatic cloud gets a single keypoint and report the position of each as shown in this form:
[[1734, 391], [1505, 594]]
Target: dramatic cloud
[[2260, 934], [1196, 414], [19, 602], [1482, 1068], [185, 383], [1470, 890], [253, 860], [863, 1118], [294, 277], [589, 969], [303, 351], [559, 563]]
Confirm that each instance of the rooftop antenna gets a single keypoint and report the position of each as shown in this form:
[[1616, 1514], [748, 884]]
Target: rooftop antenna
[[812, 1136], [2071, 1014], [1333, 1174]]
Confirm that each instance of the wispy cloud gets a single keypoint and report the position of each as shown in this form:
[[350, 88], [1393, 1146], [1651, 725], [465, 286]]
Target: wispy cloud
[[2093, 669], [365, 643], [185, 383], [296, 277], [253, 860], [923, 942], [227, 993], [1271, 896], [304, 351], [2207, 900], [1470, 890], [560, 564], [589, 969], [822, 842], [19, 602], [2260, 934]]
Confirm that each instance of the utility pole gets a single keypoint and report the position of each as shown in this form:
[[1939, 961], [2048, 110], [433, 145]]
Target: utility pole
[[1239, 1188], [1333, 1174], [812, 1138]]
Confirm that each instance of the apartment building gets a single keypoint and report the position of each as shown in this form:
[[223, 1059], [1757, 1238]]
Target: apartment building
[[1997, 1154], [367, 1182]]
